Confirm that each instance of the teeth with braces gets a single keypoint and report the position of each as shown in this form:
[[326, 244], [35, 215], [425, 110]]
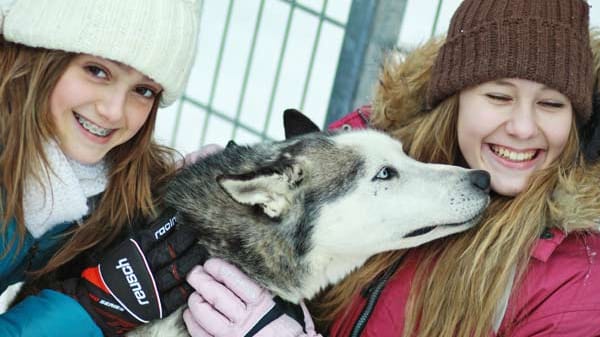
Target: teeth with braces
[[511, 155], [92, 128]]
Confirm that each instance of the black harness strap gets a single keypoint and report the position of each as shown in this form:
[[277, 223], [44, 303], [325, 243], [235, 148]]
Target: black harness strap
[[280, 308], [373, 291]]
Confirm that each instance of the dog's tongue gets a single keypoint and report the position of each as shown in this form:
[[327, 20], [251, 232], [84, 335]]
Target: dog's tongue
[[420, 231]]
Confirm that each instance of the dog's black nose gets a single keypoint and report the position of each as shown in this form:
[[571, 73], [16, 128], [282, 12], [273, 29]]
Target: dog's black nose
[[480, 179]]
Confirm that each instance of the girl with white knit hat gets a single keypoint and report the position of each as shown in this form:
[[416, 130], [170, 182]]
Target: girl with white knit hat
[[80, 84]]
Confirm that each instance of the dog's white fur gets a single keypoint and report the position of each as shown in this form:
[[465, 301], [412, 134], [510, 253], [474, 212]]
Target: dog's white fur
[[378, 214]]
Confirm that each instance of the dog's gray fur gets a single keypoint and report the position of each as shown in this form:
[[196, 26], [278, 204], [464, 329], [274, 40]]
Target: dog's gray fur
[[301, 214]]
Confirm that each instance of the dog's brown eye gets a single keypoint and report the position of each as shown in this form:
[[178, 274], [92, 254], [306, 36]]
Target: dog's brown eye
[[386, 173]]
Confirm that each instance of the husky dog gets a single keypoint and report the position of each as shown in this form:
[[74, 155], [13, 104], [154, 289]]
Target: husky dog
[[300, 214]]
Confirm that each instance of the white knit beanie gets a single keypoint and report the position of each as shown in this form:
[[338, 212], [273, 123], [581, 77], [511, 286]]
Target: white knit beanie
[[156, 37]]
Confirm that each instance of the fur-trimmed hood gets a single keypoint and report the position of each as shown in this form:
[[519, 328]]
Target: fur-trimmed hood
[[401, 95]]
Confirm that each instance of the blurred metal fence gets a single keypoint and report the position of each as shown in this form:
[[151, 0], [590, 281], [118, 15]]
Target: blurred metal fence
[[259, 57], [256, 58]]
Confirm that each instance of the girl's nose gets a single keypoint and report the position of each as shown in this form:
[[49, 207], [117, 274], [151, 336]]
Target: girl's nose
[[111, 107], [522, 122]]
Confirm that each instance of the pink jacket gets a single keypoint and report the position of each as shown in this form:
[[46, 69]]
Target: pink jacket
[[559, 295]]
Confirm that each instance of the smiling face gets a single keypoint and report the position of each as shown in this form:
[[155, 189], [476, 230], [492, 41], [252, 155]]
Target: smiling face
[[512, 128], [97, 105]]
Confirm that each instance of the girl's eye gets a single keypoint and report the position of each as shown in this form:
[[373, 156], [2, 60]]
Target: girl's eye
[[145, 92], [386, 173], [499, 97], [97, 71], [552, 104]]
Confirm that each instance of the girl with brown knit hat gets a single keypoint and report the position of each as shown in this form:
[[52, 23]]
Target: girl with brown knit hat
[[505, 93]]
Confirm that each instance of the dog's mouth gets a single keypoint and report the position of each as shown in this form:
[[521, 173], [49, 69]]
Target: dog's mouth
[[469, 223], [425, 230], [420, 231]]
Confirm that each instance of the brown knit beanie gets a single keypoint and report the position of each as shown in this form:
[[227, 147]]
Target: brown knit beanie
[[546, 41]]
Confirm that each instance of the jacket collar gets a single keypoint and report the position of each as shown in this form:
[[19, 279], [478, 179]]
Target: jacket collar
[[547, 243]]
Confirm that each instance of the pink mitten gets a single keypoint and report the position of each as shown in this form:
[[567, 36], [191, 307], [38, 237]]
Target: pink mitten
[[229, 304]]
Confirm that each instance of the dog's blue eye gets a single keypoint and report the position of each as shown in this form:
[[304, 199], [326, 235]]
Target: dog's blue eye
[[385, 173]]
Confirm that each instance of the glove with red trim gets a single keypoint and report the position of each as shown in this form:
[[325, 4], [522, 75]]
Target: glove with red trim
[[141, 279]]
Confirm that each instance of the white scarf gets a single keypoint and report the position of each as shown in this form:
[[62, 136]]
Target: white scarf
[[63, 192]]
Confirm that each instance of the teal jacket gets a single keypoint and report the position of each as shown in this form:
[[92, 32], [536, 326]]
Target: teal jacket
[[50, 313]]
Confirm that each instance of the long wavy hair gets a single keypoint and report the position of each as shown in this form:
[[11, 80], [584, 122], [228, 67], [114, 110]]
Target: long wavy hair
[[138, 168], [461, 278]]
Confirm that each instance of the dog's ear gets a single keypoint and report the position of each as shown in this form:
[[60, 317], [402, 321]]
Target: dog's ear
[[295, 123], [272, 191]]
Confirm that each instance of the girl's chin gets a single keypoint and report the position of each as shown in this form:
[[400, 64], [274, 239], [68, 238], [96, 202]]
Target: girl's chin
[[84, 157], [509, 189]]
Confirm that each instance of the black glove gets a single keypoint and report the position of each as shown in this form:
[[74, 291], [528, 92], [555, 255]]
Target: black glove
[[141, 279]]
